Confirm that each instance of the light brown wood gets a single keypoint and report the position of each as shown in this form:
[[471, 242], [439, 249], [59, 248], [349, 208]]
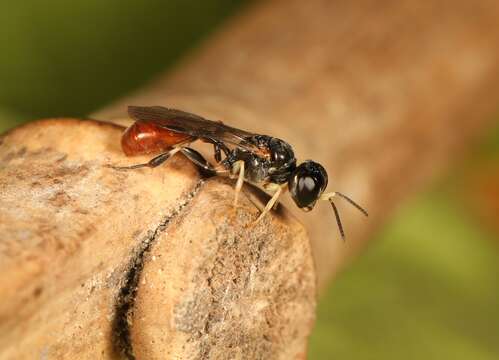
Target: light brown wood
[[99, 263], [385, 94]]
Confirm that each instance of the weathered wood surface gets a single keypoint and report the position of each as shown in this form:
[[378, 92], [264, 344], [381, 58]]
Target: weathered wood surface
[[385, 94], [99, 263]]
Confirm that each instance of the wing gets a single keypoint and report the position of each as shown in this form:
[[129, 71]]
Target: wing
[[193, 125]]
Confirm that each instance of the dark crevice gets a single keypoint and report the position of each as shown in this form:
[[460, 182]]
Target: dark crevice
[[121, 340]]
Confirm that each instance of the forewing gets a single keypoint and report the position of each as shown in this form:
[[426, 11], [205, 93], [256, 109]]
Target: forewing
[[196, 126]]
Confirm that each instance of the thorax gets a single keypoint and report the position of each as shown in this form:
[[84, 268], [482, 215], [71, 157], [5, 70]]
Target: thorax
[[272, 162]]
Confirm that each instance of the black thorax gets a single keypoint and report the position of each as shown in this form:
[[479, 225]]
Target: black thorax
[[273, 163]]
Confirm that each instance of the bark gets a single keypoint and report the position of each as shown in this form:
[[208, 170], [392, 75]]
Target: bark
[[101, 263], [384, 94]]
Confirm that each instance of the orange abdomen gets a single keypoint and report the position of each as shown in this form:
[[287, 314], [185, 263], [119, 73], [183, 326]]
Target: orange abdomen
[[147, 137]]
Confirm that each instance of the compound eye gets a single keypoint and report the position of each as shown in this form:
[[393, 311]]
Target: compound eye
[[308, 190], [307, 183], [304, 190]]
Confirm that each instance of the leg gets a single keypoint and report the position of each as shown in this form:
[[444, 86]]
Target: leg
[[224, 148], [218, 147], [201, 162], [270, 204], [154, 162], [197, 159], [240, 180], [283, 190], [218, 153], [255, 200]]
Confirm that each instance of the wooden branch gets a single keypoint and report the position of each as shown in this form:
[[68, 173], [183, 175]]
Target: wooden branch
[[384, 94], [99, 263]]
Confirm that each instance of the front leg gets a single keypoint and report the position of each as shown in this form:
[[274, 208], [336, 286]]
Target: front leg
[[273, 200]]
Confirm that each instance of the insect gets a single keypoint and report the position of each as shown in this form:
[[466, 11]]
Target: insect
[[261, 160]]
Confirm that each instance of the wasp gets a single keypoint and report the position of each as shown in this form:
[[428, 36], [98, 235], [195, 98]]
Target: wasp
[[261, 160]]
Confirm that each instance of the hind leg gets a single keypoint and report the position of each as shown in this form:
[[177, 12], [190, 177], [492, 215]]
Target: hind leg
[[201, 162], [154, 162]]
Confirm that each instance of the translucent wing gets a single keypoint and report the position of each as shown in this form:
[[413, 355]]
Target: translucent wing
[[193, 125]]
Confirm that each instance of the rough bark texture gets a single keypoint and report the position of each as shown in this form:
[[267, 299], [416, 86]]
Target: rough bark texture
[[152, 264], [384, 94]]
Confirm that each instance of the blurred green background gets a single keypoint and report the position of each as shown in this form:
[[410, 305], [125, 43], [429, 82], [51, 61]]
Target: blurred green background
[[427, 288]]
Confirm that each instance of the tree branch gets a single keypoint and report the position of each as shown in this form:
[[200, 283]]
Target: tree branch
[[101, 263]]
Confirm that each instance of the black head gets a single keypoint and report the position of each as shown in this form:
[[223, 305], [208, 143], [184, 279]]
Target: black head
[[307, 183]]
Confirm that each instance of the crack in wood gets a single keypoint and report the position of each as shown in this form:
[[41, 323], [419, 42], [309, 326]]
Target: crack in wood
[[121, 341]]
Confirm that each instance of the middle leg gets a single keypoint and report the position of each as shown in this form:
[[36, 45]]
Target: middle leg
[[238, 166]]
